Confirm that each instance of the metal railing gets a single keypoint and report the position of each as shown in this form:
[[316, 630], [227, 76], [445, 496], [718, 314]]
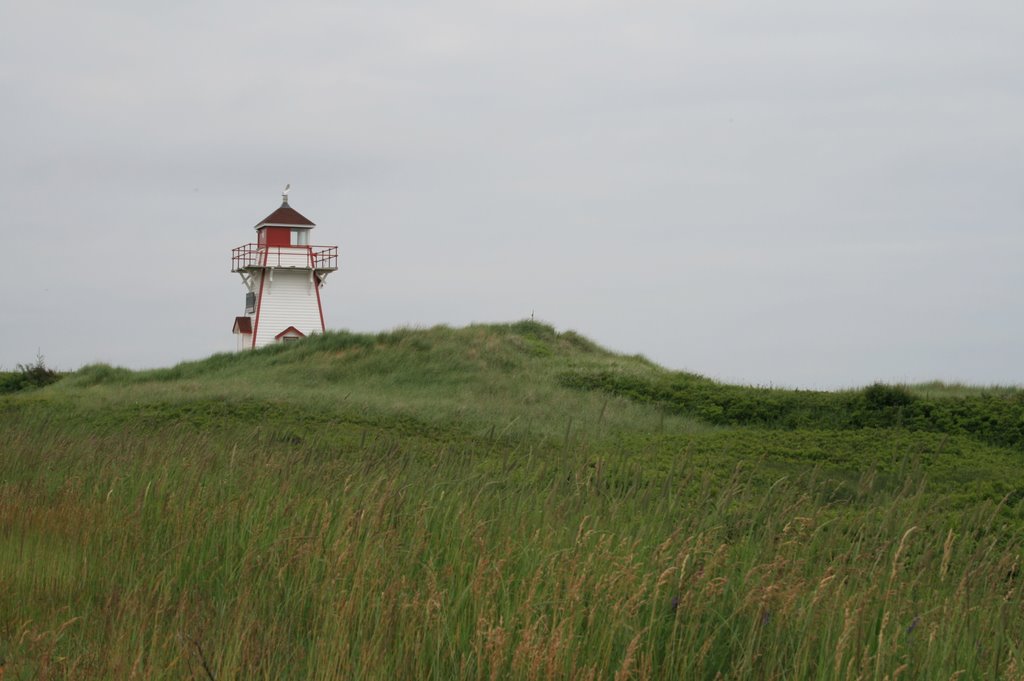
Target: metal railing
[[254, 255]]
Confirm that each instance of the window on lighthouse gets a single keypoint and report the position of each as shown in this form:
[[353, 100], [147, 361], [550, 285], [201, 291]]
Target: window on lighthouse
[[300, 237]]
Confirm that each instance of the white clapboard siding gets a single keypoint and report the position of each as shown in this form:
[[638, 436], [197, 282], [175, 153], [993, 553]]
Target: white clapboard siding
[[289, 299]]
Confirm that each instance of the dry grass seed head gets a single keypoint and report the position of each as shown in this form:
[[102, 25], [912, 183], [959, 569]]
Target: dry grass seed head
[[531, 651], [663, 548], [630, 606], [663, 577], [821, 589], [705, 648], [495, 645], [629, 660], [850, 619], [899, 552], [585, 674], [557, 647]]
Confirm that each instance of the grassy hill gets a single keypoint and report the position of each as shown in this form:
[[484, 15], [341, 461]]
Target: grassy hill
[[503, 501]]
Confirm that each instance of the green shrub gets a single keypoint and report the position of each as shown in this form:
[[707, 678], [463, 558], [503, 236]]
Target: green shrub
[[991, 417], [36, 375], [882, 396]]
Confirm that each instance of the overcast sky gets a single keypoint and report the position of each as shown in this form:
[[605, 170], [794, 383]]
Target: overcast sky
[[798, 193]]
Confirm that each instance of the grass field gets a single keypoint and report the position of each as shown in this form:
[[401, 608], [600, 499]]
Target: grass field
[[503, 502]]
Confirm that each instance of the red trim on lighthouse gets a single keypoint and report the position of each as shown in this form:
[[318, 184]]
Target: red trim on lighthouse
[[318, 306], [259, 300], [290, 329], [316, 287]]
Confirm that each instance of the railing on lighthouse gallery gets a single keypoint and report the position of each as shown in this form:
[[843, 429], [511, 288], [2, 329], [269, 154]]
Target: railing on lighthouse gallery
[[249, 256]]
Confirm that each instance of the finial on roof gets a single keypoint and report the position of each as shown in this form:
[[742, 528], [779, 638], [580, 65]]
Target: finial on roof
[[284, 194]]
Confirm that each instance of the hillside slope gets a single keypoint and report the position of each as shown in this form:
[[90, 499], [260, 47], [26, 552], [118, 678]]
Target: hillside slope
[[503, 501], [524, 383]]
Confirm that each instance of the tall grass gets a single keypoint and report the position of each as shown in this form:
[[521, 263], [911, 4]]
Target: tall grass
[[178, 554]]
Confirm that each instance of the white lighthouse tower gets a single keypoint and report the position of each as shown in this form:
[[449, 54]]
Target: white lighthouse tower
[[283, 275]]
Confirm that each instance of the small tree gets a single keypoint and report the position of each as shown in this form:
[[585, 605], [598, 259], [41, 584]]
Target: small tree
[[34, 375]]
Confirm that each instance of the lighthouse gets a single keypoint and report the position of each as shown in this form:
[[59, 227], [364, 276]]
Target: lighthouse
[[283, 274]]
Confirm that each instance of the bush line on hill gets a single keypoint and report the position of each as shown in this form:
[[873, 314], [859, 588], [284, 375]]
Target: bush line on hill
[[997, 418]]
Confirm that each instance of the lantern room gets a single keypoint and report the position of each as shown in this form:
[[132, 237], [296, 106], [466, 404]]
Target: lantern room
[[284, 227]]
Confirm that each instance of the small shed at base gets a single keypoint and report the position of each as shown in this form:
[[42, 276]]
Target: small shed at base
[[242, 329]]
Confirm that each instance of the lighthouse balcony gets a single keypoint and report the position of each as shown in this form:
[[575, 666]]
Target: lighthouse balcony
[[255, 256]]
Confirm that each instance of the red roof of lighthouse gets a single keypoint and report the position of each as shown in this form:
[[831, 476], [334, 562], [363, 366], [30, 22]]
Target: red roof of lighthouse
[[286, 215]]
